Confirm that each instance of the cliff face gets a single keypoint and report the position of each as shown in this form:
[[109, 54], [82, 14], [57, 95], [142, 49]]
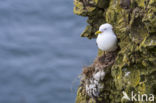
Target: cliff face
[[133, 66]]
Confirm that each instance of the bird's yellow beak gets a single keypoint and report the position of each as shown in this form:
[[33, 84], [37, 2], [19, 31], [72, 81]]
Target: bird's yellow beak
[[98, 32]]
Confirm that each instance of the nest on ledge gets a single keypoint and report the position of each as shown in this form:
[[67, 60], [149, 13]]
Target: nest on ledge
[[93, 76]]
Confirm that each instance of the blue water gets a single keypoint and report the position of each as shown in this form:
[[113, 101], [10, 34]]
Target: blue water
[[41, 51]]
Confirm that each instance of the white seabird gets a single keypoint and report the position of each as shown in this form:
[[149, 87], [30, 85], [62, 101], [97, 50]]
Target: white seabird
[[106, 39]]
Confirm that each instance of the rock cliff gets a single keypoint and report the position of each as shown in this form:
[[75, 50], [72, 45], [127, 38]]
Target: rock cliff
[[132, 68]]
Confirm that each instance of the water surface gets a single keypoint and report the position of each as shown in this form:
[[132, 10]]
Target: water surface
[[41, 51]]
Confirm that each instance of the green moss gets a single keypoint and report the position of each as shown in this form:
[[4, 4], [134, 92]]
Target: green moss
[[135, 64], [81, 96]]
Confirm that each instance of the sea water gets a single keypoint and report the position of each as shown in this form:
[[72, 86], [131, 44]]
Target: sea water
[[41, 51]]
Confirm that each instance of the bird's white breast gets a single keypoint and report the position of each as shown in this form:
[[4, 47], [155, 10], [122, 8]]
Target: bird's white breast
[[106, 41]]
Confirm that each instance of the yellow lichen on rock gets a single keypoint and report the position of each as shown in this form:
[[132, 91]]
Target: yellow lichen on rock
[[134, 66]]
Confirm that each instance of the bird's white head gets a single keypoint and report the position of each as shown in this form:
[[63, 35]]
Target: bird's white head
[[103, 28]]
